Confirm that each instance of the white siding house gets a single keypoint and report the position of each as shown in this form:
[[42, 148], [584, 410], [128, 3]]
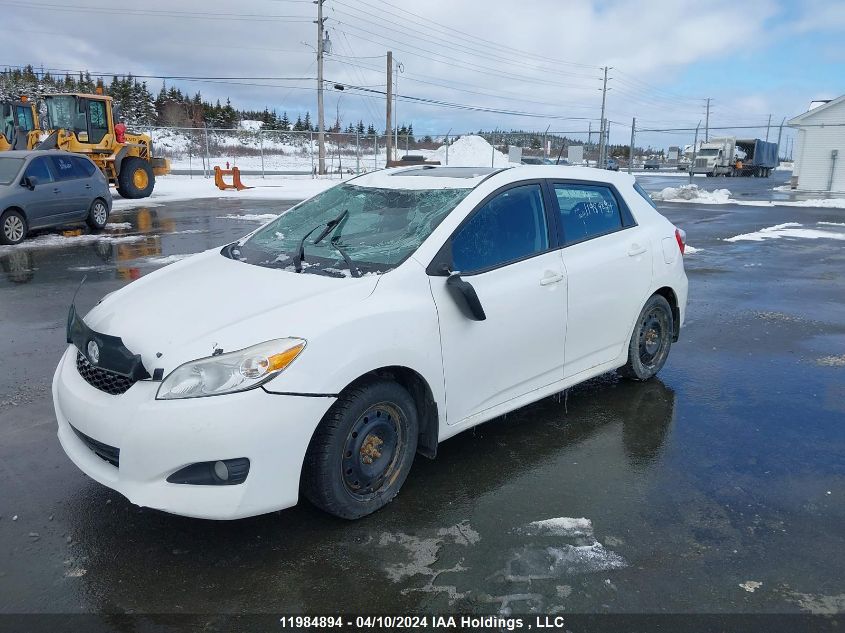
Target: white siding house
[[820, 149]]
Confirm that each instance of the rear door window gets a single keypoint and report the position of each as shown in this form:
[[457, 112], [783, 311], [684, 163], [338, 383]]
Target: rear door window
[[66, 168], [586, 211]]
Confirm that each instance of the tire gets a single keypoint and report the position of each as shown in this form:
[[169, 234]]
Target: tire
[[13, 227], [136, 178], [348, 449], [98, 215], [651, 341]]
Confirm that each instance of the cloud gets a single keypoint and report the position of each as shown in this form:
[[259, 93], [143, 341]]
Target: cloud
[[466, 52]]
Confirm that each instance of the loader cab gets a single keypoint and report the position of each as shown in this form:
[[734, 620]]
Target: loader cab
[[17, 116], [87, 116]]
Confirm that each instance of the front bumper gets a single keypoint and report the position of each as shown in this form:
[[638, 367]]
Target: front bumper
[[156, 438]]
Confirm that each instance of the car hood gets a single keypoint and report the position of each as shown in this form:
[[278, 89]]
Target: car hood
[[188, 309]]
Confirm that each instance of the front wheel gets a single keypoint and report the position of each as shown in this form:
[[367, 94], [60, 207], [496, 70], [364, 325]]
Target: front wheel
[[651, 340], [98, 215], [12, 227], [362, 450], [136, 178]]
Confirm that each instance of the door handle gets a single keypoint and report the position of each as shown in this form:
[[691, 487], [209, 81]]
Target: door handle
[[57, 190], [636, 249], [550, 278], [87, 186]]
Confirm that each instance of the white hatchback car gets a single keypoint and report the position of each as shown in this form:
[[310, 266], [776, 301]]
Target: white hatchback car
[[364, 325]]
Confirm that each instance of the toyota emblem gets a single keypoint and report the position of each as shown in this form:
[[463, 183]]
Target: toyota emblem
[[93, 352]]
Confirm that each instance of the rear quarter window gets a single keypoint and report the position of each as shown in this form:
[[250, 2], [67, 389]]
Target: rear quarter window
[[84, 166]]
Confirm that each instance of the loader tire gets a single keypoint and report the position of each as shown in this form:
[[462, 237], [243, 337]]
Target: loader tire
[[136, 178]]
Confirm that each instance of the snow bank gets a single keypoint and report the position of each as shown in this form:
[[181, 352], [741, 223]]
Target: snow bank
[[692, 193], [788, 229], [823, 203], [471, 151]]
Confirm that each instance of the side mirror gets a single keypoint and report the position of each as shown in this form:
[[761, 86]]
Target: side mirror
[[30, 182], [465, 296]]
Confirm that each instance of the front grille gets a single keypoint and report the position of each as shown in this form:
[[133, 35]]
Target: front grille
[[102, 379], [108, 453], [701, 162]]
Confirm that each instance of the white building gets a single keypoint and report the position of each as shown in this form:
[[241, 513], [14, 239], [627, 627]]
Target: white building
[[820, 150]]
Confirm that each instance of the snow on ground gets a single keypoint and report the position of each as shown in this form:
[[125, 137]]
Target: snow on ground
[[692, 193], [824, 203], [249, 217], [788, 229], [174, 188], [691, 250], [53, 240]]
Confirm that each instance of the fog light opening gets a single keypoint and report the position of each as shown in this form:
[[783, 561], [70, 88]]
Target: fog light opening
[[221, 471]]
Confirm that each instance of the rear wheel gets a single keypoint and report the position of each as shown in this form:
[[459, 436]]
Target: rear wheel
[[98, 215], [136, 178], [362, 451], [651, 340], [12, 227]]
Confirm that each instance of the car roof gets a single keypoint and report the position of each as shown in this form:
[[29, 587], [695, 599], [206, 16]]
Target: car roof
[[26, 153], [442, 177]]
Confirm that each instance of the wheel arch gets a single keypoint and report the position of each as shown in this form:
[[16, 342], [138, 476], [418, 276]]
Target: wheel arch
[[420, 390], [669, 294], [20, 210]]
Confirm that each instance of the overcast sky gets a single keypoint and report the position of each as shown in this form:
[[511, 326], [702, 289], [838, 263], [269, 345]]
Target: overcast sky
[[538, 57]]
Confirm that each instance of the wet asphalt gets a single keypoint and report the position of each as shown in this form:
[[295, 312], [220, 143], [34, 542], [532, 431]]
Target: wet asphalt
[[727, 470]]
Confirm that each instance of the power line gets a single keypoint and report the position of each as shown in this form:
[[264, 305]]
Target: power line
[[243, 17]]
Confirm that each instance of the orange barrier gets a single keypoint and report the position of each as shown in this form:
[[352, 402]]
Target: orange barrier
[[235, 173]]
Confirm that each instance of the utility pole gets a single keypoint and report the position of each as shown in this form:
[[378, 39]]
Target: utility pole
[[768, 125], [399, 68], [389, 124], [707, 122], [321, 121], [631, 148], [602, 142]]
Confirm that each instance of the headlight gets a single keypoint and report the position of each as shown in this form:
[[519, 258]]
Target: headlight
[[228, 373]]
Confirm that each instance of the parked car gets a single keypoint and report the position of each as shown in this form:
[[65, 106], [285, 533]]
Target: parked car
[[40, 189], [612, 164], [322, 351], [651, 163]]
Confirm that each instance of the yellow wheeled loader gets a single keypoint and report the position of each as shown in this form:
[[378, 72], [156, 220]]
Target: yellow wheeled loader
[[85, 124], [19, 120]]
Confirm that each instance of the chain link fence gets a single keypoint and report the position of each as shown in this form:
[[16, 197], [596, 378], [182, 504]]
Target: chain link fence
[[196, 151]]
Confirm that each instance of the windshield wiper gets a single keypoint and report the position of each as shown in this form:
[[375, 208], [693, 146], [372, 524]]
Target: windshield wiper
[[352, 267], [299, 255]]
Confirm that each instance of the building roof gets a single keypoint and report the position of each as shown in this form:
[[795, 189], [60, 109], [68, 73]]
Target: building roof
[[802, 118]]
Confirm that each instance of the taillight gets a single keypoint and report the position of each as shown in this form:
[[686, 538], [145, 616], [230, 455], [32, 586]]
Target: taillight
[[681, 237]]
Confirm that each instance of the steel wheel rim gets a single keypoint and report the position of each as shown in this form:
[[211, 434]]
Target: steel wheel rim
[[652, 336], [100, 213], [140, 179], [372, 451], [13, 228]]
